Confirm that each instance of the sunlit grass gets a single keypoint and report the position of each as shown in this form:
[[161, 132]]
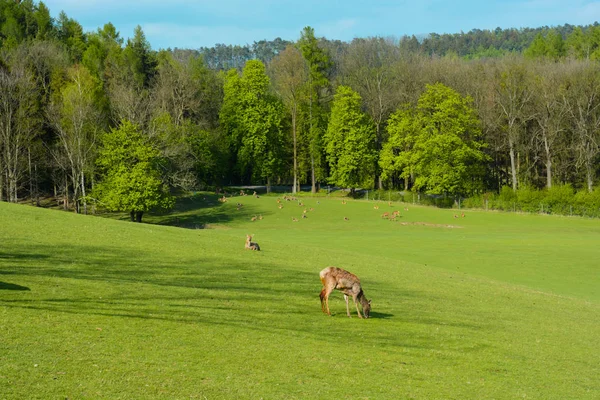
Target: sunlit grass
[[487, 306]]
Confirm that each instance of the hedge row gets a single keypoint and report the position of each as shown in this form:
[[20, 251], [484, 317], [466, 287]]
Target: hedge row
[[559, 199]]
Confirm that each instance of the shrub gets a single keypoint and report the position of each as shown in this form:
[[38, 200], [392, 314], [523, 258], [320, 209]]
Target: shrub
[[559, 199]]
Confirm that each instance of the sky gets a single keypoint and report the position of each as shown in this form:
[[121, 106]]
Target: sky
[[203, 23]]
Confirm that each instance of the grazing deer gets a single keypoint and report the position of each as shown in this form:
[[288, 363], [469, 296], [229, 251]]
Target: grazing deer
[[376, 207], [385, 215], [405, 208], [462, 215], [280, 206], [343, 201], [253, 218], [260, 217], [349, 284], [250, 245], [346, 219], [294, 219], [304, 216]]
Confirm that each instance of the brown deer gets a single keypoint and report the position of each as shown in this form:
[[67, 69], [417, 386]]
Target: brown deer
[[349, 284], [250, 245]]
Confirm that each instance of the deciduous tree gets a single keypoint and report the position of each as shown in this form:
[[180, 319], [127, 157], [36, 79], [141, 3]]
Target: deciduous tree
[[129, 174], [350, 142]]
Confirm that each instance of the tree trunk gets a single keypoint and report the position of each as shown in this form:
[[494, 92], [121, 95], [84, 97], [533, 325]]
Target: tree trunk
[[268, 184], [66, 195], [1, 184], [513, 166], [295, 188], [312, 174], [138, 216], [132, 215], [37, 188], [83, 193], [590, 176], [30, 177]]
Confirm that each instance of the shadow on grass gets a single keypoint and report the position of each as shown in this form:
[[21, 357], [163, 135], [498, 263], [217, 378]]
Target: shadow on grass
[[252, 294], [199, 211], [12, 286], [380, 315]]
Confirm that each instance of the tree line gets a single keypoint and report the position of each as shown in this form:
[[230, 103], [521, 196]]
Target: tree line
[[90, 118]]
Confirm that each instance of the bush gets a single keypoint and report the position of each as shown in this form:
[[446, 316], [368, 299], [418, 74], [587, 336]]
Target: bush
[[559, 199], [529, 199]]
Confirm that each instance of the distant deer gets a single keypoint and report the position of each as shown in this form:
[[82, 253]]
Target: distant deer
[[346, 282], [253, 218], [385, 215], [250, 245], [343, 201], [294, 219], [462, 215], [376, 207]]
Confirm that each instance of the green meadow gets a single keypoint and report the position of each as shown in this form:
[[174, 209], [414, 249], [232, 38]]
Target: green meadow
[[485, 306]]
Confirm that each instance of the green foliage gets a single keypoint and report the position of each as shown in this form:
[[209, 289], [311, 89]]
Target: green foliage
[[70, 32], [349, 142], [439, 142], [559, 199], [139, 58], [129, 174], [253, 119], [551, 46], [395, 158]]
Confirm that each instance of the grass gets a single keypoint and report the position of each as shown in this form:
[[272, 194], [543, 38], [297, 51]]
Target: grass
[[490, 306]]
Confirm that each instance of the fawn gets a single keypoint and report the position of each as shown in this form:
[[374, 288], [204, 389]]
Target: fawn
[[346, 282], [250, 245]]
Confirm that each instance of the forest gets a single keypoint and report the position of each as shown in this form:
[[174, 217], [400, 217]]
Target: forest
[[92, 118]]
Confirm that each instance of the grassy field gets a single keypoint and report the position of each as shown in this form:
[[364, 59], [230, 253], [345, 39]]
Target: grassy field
[[489, 306]]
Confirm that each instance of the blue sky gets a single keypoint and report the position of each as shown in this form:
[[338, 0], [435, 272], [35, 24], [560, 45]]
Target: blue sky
[[193, 24]]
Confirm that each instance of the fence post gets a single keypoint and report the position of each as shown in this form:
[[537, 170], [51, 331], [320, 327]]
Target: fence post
[[486, 204], [367, 195], [459, 203], [571, 211]]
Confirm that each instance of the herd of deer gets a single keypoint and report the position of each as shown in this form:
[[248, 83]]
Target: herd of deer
[[332, 278]]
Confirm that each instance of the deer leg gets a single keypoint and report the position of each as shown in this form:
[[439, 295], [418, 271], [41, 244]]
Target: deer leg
[[356, 304], [347, 306], [322, 296]]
